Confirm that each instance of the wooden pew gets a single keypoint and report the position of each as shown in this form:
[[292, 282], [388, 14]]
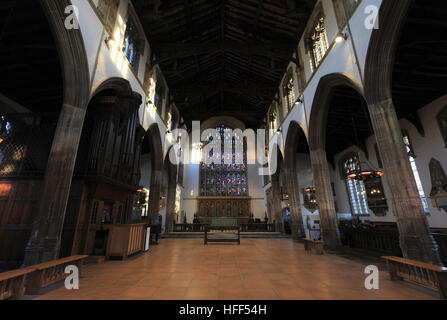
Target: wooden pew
[[419, 272], [51, 272], [12, 283], [223, 230], [316, 245]]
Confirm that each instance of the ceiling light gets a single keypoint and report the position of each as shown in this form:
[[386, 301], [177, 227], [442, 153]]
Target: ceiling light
[[340, 37]]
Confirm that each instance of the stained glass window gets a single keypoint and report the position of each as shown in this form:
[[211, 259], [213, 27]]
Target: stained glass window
[[319, 43], [289, 91], [356, 188], [227, 176], [411, 157], [132, 43]]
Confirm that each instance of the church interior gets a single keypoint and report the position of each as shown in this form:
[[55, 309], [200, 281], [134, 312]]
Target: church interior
[[223, 150]]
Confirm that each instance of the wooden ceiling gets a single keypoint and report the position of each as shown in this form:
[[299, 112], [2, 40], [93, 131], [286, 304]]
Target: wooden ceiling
[[223, 57], [420, 69], [29, 63]]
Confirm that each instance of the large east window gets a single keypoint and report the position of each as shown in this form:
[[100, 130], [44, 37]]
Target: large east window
[[356, 188], [224, 177]]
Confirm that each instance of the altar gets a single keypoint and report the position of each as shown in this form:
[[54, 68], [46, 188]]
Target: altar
[[211, 207]]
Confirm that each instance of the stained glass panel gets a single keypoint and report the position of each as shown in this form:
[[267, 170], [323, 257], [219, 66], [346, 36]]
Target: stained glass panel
[[227, 176]]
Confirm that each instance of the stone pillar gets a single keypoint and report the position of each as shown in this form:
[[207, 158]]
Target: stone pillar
[[416, 241], [154, 196], [277, 210], [326, 206], [46, 233], [290, 180], [171, 197], [44, 243]]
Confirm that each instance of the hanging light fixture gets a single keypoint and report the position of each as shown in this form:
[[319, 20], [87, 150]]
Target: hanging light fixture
[[3, 125], [366, 171]]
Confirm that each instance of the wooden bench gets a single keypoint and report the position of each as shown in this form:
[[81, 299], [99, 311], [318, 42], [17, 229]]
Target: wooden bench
[[316, 245], [419, 272], [223, 230], [47, 273], [12, 283]]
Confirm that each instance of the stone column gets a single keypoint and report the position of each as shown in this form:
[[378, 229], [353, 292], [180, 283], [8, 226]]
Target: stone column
[[44, 243], [154, 196], [326, 206], [416, 241], [277, 210], [170, 201], [290, 179]]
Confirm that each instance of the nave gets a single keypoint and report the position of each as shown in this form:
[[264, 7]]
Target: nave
[[258, 269]]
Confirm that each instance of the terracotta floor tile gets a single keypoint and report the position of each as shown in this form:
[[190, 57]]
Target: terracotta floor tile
[[202, 293], [262, 294], [258, 269], [201, 283], [173, 293]]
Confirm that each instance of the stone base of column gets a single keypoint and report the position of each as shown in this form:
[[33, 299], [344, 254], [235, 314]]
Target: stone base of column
[[415, 247], [331, 241], [41, 251]]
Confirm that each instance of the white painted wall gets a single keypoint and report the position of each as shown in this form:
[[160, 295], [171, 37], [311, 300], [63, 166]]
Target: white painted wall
[[106, 61]]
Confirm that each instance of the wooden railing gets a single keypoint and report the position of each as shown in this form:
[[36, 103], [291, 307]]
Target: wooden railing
[[379, 241], [386, 241], [47, 273], [189, 227], [257, 227], [441, 240], [246, 227], [12, 283], [419, 272], [126, 239]]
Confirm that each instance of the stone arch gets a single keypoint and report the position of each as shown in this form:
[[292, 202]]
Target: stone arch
[[152, 139], [276, 193], [320, 106], [171, 192], [121, 86], [213, 122], [416, 241], [294, 133], [45, 240], [381, 51], [73, 56]]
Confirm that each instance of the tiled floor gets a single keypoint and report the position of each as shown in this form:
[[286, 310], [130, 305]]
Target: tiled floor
[[258, 269]]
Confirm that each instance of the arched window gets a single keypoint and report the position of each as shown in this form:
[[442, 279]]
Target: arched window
[[411, 157], [108, 10], [133, 43], [356, 188], [273, 118], [289, 91], [219, 178], [316, 40]]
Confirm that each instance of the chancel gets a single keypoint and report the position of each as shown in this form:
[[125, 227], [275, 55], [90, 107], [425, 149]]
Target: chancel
[[223, 150]]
